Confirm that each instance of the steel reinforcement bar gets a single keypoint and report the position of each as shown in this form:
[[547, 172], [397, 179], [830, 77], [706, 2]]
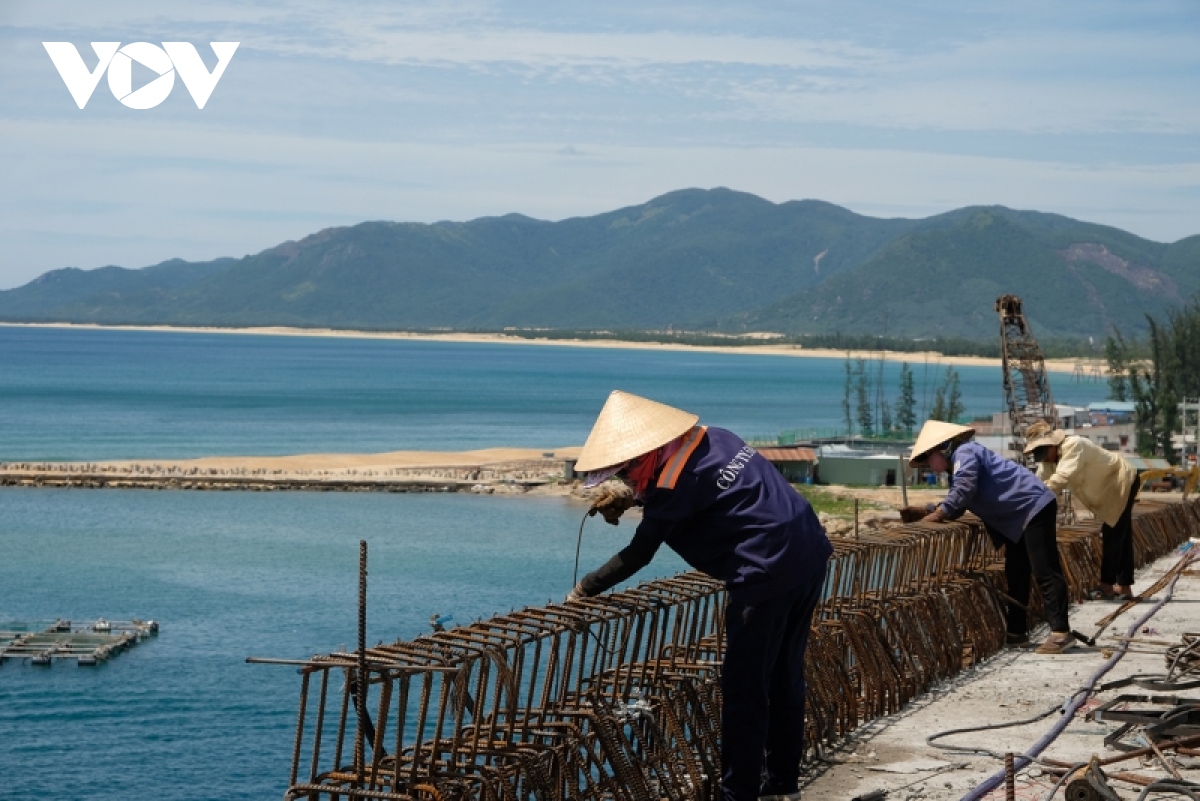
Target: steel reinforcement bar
[[618, 697]]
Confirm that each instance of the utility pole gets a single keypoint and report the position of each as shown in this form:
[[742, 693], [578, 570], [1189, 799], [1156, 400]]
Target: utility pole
[[1190, 406]]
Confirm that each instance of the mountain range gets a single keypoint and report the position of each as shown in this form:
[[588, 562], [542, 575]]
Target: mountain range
[[698, 260]]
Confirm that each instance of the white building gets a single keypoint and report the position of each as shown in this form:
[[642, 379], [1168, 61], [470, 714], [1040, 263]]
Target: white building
[[1109, 424]]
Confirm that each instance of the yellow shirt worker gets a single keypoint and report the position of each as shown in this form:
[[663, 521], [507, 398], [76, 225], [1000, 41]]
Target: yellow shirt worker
[[1103, 482]]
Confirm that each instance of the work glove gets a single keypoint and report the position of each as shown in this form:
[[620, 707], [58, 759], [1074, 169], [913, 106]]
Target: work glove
[[936, 516], [612, 501], [576, 593]]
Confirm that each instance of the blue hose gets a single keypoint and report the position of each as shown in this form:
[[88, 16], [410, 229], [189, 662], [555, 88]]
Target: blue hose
[[1077, 699]]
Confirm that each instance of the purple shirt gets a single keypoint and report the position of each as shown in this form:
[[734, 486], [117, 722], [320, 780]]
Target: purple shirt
[[1002, 493], [733, 516]]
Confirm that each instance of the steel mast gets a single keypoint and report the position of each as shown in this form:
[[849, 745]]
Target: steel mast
[[1026, 385]]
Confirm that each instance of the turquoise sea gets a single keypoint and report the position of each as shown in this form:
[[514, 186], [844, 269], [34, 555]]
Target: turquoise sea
[[102, 394], [230, 575]]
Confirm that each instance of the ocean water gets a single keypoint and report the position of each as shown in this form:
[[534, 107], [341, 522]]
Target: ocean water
[[230, 575], [71, 394]]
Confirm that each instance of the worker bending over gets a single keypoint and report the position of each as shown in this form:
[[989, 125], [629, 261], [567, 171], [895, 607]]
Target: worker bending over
[[1103, 482], [1020, 513], [729, 513]]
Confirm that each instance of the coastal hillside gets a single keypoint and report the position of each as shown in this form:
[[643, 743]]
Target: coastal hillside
[[715, 260], [942, 279], [680, 259]]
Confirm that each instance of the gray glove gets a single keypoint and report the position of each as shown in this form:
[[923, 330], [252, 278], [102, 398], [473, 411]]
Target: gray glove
[[576, 593], [611, 503]]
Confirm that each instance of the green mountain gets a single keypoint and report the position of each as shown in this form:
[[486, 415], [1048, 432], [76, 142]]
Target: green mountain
[[75, 295], [1077, 280], [694, 259]]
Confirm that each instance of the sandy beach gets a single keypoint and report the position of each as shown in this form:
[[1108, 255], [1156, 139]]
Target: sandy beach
[[364, 463], [1068, 366], [493, 470], [490, 471]]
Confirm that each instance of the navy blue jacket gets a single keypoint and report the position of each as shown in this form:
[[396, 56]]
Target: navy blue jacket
[[729, 513], [1002, 493]]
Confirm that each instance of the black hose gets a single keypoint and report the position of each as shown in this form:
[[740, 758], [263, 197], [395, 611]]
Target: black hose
[[1177, 786], [990, 727], [578, 545], [1063, 780]]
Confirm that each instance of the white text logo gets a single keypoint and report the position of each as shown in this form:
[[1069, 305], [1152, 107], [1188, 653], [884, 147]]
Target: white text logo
[[167, 60], [731, 471]]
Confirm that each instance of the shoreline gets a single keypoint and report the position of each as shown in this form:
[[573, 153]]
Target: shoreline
[[512, 472], [488, 471], [493, 471], [794, 351]]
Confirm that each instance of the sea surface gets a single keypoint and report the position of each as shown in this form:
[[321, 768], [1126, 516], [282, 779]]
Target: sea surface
[[72, 394], [232, 575]]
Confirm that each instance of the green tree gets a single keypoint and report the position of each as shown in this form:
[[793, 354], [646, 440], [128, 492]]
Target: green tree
[[1116, 353], [885, 418], [1168, 372], [947, 399], [849, 418], [1184, 341], [862, 394], [938, 410], [954, 404], [906, 404], [1154, 397]]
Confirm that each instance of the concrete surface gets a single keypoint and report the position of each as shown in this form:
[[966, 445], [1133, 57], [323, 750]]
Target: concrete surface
[[1016, 684]]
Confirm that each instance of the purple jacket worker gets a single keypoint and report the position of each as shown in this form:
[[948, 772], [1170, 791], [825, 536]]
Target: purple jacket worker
[[728, 513], [1020, 512]]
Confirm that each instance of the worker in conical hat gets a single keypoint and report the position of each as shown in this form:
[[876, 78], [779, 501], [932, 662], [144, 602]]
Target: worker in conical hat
[[729, 513], [1020, 513], [1103, 482]]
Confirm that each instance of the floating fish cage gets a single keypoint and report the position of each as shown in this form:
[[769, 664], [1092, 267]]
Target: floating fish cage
[[42, 644]]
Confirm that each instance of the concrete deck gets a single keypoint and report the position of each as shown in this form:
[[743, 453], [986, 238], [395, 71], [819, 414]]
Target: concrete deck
[[1016, 684]]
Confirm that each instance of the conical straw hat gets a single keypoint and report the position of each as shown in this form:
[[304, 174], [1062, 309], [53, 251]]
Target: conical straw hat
[[1040, 433], [628, 426], [933, 434]]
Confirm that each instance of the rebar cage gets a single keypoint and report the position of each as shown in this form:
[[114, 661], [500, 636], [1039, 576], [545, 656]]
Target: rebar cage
[[618, 697]]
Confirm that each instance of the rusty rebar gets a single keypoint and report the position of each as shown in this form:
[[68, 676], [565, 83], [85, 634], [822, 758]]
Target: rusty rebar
[[617, 698], [360, 697]]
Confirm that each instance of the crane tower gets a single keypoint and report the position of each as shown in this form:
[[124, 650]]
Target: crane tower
[[1026, 386]]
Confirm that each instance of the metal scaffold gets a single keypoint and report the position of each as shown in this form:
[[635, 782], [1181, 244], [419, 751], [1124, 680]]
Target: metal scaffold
[[1026, 385], [618, 698]]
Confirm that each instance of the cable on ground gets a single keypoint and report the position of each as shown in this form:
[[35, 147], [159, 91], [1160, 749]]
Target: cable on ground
[[1024, 760]]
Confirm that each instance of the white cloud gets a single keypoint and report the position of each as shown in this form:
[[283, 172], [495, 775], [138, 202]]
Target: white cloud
[[205, 194], [330, 114], [555, 49]]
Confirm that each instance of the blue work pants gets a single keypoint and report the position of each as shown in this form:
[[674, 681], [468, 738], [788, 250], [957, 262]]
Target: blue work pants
[[763, 687]]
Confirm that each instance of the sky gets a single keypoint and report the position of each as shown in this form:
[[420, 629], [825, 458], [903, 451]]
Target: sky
[[330, 114]]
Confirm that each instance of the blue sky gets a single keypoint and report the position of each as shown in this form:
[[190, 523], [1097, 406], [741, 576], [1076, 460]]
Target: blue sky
[[334, 113]]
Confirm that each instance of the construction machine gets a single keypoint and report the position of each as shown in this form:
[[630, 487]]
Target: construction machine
[[1185, 478], [1026, 385]]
